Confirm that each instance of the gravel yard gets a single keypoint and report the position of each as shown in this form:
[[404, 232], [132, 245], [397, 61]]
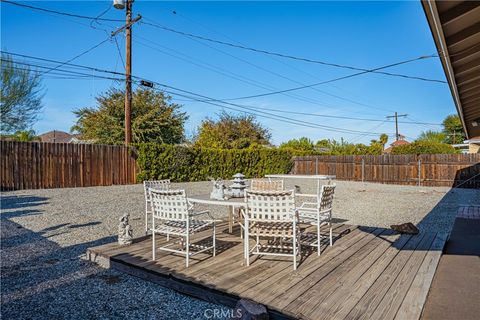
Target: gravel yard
[[44, 234]]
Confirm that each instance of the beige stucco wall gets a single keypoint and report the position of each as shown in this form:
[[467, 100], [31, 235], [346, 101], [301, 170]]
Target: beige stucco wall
[[474, 148]]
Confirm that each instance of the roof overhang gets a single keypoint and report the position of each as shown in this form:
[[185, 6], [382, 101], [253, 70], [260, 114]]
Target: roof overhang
[[455, 26]]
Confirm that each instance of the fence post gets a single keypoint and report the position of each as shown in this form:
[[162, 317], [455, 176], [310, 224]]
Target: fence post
[[363, 169], [316, 166], [419, 172]]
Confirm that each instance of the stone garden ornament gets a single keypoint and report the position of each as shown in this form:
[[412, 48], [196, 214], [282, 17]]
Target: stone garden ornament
[[125, 233], [218, 191]]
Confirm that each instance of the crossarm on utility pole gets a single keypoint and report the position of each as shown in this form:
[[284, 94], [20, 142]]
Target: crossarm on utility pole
[[114, 33]]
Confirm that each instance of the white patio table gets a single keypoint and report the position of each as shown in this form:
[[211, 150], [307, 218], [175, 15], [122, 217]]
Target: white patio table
[[231, 204]]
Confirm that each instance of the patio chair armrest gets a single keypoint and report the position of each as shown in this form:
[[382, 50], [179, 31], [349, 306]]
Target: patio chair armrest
[[305, 204], [306, 195], [194, 214]]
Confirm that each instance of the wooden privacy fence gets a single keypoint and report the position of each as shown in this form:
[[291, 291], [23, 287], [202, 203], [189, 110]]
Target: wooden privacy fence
[[35, 165], [461, 170]]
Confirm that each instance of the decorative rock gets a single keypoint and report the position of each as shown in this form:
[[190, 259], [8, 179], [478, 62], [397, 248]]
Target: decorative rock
[[125, 233], [249, 310], [407, 228]]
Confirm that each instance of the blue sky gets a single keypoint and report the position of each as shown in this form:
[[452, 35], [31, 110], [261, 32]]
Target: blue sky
[[360, 34]]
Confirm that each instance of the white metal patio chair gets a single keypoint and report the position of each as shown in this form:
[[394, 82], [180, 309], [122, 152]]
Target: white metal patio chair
[[271, 215], [266, 185], [155, 184], [319, 213], [173, 215]]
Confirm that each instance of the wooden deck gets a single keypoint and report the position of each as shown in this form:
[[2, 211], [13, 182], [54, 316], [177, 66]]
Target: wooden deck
[[369, 273]]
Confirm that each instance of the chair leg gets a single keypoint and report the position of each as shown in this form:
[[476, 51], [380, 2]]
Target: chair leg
[[214, 246], [331, 236], [146, 218], [153, 238], [294, 250], [153, 245], [187, 249], [247, 249], [319, 239]]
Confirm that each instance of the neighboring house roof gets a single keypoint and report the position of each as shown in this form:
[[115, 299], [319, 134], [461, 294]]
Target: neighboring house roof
[[473, 140], [56, 136], [456, 31], [395, 144]]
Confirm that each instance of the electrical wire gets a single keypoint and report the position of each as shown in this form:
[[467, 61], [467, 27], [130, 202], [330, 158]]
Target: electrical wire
[[229, 44], [119, 52], [242, 108], [205, 98], [77, 56], [251, 113], [73, 15], [329, 81], [190, 35]]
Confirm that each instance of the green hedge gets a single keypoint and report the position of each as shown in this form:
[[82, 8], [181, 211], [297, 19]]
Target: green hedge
[[179, 163], [424, 147]]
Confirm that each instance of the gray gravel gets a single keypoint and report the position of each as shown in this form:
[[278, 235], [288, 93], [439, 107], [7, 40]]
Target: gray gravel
[[44, 234]]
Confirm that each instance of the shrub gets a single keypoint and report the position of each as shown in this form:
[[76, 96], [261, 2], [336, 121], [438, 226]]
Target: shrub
[[179, 163], [424, 147]]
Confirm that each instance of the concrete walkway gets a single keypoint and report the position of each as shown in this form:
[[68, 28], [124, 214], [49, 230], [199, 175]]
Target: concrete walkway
[[455, 291]]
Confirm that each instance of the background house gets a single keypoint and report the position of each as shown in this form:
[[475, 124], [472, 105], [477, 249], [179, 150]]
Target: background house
[[395, 144]]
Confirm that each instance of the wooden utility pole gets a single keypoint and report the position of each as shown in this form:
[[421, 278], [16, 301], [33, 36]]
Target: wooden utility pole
[[396, 122], [128, 67], [128, 73]]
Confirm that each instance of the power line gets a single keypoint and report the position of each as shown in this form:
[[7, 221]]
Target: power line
[[331, 80], [59, 12], [119, 52], [306, 123], [228, 43], [252, 113], [206, 99], [229, 105], [61, 72], [238, 105], [156, 25], [77, 56], [244, 79]]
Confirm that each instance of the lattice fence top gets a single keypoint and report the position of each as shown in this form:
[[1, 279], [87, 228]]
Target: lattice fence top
[[275, 206], [266, 185], [169, 204]]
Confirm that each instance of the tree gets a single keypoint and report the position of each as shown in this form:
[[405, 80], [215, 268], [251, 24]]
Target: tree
[[20, 96], [25, 136], [232, 132], [342, 147], [432, 136], [302, 144], [154, 118], [424, 147], [453, 129]]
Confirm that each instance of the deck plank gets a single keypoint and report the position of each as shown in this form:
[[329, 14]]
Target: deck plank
[[295, 292], [370, 300], [332, 299], [275, 284], [344, 274], [347, 297], [414, 301], [392, 300]]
